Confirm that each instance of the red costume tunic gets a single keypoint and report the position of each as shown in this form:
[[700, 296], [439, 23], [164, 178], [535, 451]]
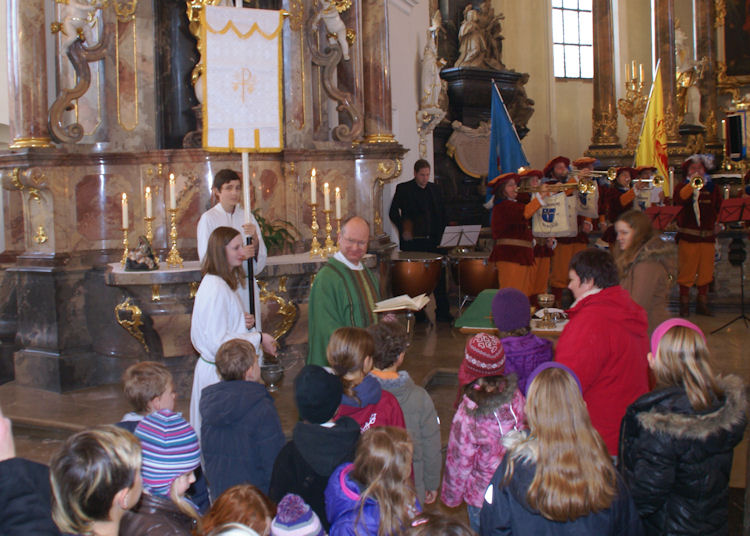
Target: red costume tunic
[[709, 202], [511, 230]]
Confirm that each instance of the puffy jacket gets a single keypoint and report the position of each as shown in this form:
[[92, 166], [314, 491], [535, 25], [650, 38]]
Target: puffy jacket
[[343, 499], [156, 516], [677, 461], [375, 407], [523, 354], [240, 436], [475, 446], [506, 512], [606, 343]]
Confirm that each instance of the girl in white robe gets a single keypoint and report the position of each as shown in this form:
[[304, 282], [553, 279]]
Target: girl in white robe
[[218, 314], [227, 187]]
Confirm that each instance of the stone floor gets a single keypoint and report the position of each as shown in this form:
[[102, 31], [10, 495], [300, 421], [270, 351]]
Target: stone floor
[[42, 419]]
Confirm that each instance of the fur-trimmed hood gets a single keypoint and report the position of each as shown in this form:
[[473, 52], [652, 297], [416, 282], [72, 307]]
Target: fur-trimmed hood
[[482, 403], [656, 249], [670, 413]]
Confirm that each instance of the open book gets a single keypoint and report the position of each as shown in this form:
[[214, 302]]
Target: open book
[[401, 303]]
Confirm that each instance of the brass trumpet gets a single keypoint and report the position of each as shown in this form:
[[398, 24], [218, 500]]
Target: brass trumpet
[[657, 181], [610, 174], [585, 186], [696, 182]]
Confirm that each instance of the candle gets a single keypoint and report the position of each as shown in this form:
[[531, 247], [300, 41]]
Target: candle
[[246, 183], [326, 197], [172, 194], [313, 187], [149, 207], [640, 72], [338, 203], [632, 69], [124, 211], [238, 4]]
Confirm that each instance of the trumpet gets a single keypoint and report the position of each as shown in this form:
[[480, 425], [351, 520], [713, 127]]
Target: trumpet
[[610, 174], [585, 186], [696, 182], [656, 181]]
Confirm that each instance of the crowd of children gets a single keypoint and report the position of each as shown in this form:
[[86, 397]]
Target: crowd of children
[[365, 457]]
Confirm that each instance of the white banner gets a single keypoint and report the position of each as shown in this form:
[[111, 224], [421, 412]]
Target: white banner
[[558, 217], [588, 204], [242, 79]]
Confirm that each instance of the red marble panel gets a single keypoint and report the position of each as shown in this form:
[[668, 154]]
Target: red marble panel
[[98, 202]]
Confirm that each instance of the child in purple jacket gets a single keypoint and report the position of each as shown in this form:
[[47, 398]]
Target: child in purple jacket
[[524, 352], [490, 407]]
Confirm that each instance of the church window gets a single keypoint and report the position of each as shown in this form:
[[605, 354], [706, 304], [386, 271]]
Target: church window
[[572, 38]]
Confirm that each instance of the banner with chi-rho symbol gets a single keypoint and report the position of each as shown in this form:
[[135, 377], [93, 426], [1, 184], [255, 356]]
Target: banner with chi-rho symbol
[[242, 79]]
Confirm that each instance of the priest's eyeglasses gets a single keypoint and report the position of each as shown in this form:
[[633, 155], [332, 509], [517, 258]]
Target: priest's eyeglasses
[[360, 243]]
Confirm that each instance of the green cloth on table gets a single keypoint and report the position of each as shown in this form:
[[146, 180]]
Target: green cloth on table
[[478, 315]]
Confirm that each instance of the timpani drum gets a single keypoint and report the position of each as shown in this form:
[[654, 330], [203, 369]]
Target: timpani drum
[[415, 272], [474, 272]]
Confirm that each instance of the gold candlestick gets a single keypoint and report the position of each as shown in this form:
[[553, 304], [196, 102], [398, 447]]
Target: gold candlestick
[[314, 245], [329, 248], [124, 247], [632, 108], [149, 230], [338, 231], [173, 259]]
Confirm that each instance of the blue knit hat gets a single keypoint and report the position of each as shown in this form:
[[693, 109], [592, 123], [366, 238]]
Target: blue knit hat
[[294, 517], [170, 449]]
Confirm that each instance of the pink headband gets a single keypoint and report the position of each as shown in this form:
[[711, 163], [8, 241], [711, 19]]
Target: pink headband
[[665, 326]]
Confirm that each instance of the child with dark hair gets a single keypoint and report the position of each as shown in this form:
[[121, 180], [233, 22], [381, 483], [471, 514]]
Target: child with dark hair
[[318, 444], [241, 434], [419, 410], [524, 351], [431, 524]]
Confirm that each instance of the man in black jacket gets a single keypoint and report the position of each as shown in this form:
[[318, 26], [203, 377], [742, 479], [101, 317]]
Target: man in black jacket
[[418, 212]]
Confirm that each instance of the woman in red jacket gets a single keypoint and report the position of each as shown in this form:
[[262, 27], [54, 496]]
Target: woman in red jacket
[[511, 229]]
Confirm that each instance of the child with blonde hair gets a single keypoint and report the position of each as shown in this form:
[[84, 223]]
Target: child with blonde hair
[[374, 495], [349, 354], [676, 442]]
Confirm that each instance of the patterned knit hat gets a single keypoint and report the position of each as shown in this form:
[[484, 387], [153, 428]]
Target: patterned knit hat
[[484, 357], [295, 518], [170, 449]]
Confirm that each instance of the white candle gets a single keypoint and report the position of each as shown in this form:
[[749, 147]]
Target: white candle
[[238, 4], [313, 187], [640, 72], [326, 197], [338, 203], [246, 181], [149, 206], [124, 211], [172, 192]]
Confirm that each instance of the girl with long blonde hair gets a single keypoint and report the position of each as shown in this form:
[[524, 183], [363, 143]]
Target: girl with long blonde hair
[[560, 479], [374, 495], [677, 442]]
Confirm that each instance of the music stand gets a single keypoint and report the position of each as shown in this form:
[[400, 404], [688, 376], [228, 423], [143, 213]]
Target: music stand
[[661, 217], [733, 210], [460, 235]]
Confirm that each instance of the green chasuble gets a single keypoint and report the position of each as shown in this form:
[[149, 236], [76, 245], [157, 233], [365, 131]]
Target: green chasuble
[[339, 297]]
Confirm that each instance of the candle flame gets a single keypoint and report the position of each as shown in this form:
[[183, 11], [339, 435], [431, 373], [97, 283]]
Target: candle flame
[[124, 197], [171, 177], [313, 172], [338, 190], [148, 190]]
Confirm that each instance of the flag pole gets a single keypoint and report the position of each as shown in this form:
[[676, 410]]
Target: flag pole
[[645, 112]]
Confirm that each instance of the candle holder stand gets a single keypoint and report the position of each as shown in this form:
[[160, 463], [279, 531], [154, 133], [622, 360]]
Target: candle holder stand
[[173, 259], [124, 247], [149, 230], [329, 248], [338, 232], [315, 245]]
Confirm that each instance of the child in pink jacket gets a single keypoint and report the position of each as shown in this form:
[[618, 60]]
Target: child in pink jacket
[[490, 405]]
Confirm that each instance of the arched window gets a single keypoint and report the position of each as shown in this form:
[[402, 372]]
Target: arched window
[[572, 38]]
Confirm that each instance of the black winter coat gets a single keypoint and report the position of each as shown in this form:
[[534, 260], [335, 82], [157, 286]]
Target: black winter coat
[[240, 435], [305, 463], [677, 461], [156, 516], [506, 512], [25, 499]]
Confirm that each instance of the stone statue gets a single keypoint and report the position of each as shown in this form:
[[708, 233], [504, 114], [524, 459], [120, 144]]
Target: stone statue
[[333, 23], [480, 38], [431, 65], [688, 74]]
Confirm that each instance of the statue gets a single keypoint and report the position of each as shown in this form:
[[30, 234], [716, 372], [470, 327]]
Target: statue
[[141, 259], [480, 38], [688, 74], [431, 65], [329, 14]]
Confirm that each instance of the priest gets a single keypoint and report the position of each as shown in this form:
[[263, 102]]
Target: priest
[[344, 291]]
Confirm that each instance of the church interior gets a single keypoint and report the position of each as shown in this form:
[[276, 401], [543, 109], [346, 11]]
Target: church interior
[[111, 131]]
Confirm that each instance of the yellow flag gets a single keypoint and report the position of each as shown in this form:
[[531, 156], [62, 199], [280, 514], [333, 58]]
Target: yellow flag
[[652, 145]]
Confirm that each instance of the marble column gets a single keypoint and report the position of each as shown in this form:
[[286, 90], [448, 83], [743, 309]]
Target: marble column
[[664, 17], [377, 72], [27, 74], [604, 114], [705, 46]]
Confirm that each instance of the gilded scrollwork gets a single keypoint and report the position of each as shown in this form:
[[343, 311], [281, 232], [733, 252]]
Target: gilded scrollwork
[[287, 309], [386, 172], [605, 128], [133, 324], [30, 181], [40, 237]]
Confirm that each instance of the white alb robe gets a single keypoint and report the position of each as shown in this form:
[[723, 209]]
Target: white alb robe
[[218, 316], [218, 217]]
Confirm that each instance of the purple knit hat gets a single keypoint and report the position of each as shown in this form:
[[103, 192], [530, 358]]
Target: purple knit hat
[[665, 326], [510, 309], [545, 366], [294, 517]]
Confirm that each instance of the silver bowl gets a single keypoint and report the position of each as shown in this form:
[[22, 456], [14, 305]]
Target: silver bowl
[[271, 374]]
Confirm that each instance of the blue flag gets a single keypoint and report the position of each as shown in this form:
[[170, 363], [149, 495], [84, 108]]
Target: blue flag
[[506, 153]]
